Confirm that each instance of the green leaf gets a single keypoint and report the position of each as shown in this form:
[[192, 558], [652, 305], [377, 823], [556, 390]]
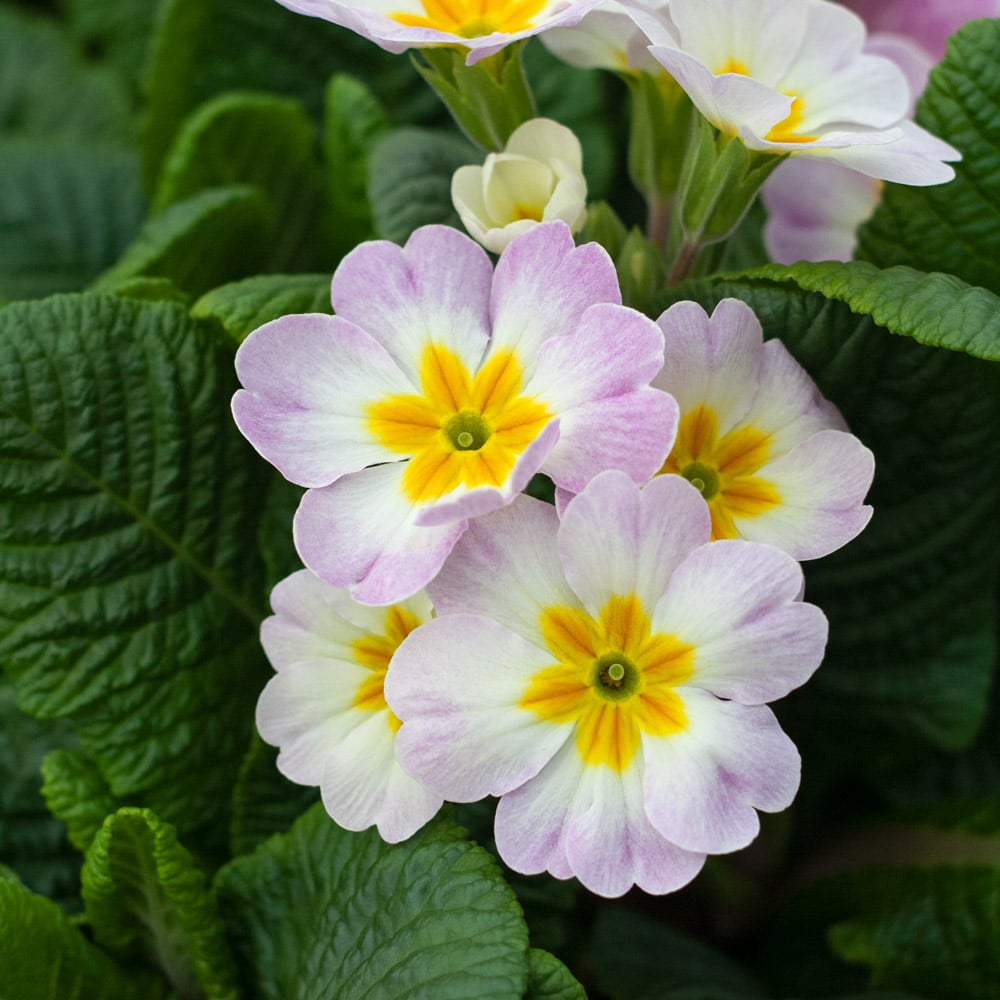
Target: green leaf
[[68, 210], [131, 596], [265, 802], [549, 979], [633, 954], [46, 88], [410, 181], [211, 238], [911, 601], [354, 121], [262, 141], [202, 48], [77, 794], [952, 227], [936, 309], [32, 842], [320, 912], [119, 30], [932, 929], [143, 895], [242, 306], [44, 957]]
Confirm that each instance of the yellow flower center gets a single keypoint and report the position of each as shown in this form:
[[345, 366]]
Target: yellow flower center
[[374, 652], [614, 679], [786, 129], [474, 18], [723, 468], [463, 430]]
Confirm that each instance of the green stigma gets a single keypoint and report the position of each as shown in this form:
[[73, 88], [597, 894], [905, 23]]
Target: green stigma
[[703, 478], [615, 677], [467, 431]]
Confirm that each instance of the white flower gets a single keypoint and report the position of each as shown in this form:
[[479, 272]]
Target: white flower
[[537, 178]]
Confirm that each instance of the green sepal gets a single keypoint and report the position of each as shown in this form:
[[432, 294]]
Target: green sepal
[[659, 129], [143, 894], [489, 99], [44, 957]]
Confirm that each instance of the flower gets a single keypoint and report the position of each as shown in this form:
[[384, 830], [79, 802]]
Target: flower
[[768, 453], [607, 676], [484, 27], [440, 388], [814, 208], [325, 706], [789, 77], [537, 178]]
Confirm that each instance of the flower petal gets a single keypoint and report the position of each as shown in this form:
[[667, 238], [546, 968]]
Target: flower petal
[[738, 604], [307, 381], [456, 683], [361, 533], [363, 785], [616, 539], [436, 289], [542, 285], [703, 785]]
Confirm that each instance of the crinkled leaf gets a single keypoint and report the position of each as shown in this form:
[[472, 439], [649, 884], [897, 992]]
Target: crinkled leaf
[[76, 792], [549, 979], [410, 181], [46, 88], [936, 309], [206, 240], [320, 912], [354, 120], [143, 894], [911, 601], [952, 227], [44, 957], [201, 48], [131, 597], [242, 306], [31, 840], [68, 210], [633, 954], [266, 142], [265, 802]]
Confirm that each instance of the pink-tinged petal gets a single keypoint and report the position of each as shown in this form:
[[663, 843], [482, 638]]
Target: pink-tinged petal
[[616, 539], [914, 158], [737, 603], [506, 567], [310, 623], [363, 785], [306, 710], [589, 822], [788, 406], [822, 483], [914, 60], [711, 361], [435, 288], [814, 208], [543, 285], [633, 433], [307, 380], [361, 533], [703, 785], [456, 683], [471, 503]]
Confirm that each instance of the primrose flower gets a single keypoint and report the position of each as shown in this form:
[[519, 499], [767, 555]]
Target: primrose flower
[[537, 178], [607, 676], [482, 26], [771, 457], [440, 388], [325, 706], [814, 208], [789, 77]]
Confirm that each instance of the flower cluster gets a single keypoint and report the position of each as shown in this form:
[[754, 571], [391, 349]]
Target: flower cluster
[[603, 664]]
